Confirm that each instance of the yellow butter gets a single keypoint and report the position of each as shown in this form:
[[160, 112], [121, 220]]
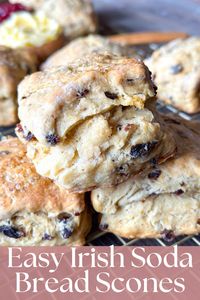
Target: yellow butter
[[24, 29]]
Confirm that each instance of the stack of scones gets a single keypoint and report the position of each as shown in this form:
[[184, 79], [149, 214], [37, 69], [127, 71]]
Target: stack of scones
[[90, 124]]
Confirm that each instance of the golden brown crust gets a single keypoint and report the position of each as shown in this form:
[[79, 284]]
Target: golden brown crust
[[21, 188], [83, 46], [14, 66], [58, 99]]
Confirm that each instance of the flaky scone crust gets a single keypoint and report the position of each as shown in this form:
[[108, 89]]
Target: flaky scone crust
[[56, 100], [167, 198], [83, 46], [21, 188], [176, 71]]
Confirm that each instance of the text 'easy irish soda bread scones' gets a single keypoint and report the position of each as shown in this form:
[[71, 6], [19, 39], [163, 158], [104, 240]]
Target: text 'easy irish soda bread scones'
[[176, 69], [86, 122], [33, 210], [76, 17], [83, 46], [14, 66], [162, 203]]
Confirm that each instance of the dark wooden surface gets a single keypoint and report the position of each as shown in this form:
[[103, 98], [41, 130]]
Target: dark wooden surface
[[150, 15]]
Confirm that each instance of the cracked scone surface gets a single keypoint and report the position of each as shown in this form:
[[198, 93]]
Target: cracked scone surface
[[176, 69], [33, 210], [84, 46], [77, 17], [103, 151], [58, 99], [14, 66], [90, 124], [165, 200]]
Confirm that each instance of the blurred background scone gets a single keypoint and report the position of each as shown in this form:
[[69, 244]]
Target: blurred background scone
[[83, 46], [176, 71], [76, 17], [34, 31], [162, 202], [91, 123], [14, 66], [33, 210]]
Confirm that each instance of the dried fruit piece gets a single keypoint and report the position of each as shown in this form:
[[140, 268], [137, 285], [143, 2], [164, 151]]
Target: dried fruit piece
[[52, 139], [82, 93], [168, 235], [176, 69], [154, 174], [179, 192], [142, 150], [11, 232], [110, 95]]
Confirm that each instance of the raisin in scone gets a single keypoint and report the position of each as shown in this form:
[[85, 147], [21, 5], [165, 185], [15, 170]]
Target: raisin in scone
[[163, 201], [176, 69], [76, 17], [83, 123], [14, 66], [33, 210], [83, 46]]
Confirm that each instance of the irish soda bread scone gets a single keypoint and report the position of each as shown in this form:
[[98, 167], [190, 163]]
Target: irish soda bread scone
[[14, 66], [176, 69], [33, 210], [91, 123], [81, 47], [162, 201], [76, 17]]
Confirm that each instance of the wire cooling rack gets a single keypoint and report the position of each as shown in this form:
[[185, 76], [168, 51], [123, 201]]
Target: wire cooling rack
[[99, 238]]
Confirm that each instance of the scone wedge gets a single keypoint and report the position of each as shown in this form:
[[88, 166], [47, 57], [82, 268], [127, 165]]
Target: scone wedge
[[33, 210], [91, 123], [162, 203], [176, 70]]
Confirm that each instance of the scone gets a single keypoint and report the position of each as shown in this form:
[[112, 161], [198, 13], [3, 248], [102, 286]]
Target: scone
[[90, 123], [83, 46], [176, 69], [162, 203], [76, 17], [33, 210], [32, 31], [14, 66]]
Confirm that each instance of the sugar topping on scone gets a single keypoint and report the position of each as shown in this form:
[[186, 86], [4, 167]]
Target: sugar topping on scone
[[33, 210]]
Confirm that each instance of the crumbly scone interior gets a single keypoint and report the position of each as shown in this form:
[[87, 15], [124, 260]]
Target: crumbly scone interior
[[27, 228], [176, 178], [165, 216], [116, 141]]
